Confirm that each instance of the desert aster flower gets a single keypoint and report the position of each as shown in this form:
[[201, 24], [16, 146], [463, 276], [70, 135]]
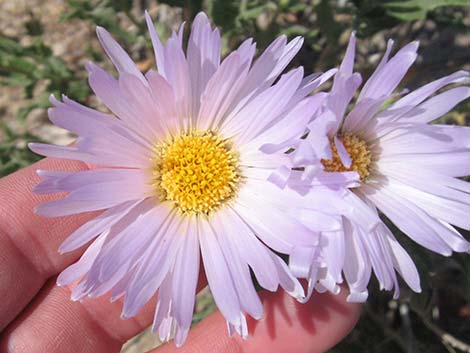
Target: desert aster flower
[[180, 172], [409, 171]]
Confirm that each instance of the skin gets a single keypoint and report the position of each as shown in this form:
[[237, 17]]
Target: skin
[[38, 316]]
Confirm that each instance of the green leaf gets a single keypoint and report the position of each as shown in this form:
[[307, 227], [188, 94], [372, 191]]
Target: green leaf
[[326, 21], [101, 14], [296, 30], [14, 153], [8, 45], [121, 5], [176, 3], [254, 12], [17, 64], [224, 13], [78, 90], [56, 68], [417, 9], [17, 79]]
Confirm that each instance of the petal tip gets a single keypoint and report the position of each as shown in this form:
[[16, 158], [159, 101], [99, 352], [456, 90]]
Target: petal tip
[[37, 210], [100, 30], [62, 249]]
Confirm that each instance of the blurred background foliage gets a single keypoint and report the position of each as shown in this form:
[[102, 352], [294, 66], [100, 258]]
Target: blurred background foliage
[[44, 45]]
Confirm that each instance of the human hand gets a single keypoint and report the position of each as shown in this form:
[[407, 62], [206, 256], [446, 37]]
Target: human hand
[[37, 316]]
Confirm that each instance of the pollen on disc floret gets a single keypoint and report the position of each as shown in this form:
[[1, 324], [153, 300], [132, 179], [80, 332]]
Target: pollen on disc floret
[[198, 171], [360, 155]]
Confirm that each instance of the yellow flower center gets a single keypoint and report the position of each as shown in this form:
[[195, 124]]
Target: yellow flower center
[[198, 171], [360, 155]]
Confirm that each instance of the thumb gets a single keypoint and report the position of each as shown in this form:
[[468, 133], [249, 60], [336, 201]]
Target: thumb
[[287, 327]]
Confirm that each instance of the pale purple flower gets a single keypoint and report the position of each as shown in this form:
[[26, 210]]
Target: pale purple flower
[[181, 173], [409, 170]]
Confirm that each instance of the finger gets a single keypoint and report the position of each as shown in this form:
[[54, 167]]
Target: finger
[[53, 323], [94, 325], [287, 327], [29, 243], [56, 331]]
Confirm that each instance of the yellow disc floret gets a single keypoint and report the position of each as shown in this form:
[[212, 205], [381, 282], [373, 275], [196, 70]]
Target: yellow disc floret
[[197, 171], [360, 155]]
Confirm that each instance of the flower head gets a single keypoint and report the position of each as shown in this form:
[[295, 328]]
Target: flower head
[[408, 170], [181, 172]]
